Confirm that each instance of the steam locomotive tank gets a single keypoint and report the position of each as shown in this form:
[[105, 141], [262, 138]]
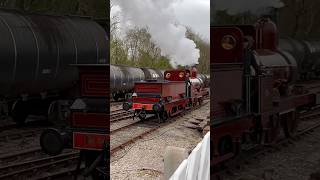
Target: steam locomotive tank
[[298, 49], [152, 74], [268, 59], [196, 82], [207, 83], [160, 73], [306, 54], [315, 58], [281, 64], [204, 79], [37, 50], [122, 79]]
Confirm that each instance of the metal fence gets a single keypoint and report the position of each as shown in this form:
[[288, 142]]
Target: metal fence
[[197, 166]]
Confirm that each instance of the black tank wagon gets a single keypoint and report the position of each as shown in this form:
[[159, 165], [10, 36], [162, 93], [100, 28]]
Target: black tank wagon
[[36, 53]]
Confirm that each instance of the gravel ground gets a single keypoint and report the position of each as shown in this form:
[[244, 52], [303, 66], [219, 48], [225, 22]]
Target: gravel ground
[[121, 137], [297, 161], [122, 123], [115, 107], [144, 159]]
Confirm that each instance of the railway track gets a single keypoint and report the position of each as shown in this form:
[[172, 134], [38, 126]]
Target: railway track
[[120, 119], [27, 168], [32, 162], [256, 151], [22, 158], [119, 115], [116, 103], [122, 125], [126, 135]]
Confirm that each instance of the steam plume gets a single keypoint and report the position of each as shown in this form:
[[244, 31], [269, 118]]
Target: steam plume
[[157, 15]]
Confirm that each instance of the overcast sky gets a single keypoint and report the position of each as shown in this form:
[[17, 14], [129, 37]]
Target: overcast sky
[[196, 14], [192, 13]]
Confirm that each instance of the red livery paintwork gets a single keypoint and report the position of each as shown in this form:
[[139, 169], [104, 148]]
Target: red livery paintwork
[[180, 90], [226, 56], [256, 92], [90, 120], [89, 117], [147, 107], [95, 89], [89, 141], [93, 81]]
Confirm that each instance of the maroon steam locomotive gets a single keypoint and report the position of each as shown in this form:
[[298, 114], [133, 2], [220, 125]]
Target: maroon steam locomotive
[[180, 90], [89, 123], [258, 85]]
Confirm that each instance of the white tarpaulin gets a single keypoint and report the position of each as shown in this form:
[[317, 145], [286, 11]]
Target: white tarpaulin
[[197, 166]]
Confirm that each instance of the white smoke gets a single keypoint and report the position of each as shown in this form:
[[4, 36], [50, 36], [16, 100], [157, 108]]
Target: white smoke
[[158, 16], [241, 6]]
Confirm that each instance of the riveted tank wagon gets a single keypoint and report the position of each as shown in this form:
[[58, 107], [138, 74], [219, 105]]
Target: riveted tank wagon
[[36, 54]]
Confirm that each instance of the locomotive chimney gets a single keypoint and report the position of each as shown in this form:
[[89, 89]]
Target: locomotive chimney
[[267, 33], [194, 71]]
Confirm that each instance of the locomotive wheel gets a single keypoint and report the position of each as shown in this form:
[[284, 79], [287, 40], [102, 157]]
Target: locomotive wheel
[[19, 112], [142, 117]]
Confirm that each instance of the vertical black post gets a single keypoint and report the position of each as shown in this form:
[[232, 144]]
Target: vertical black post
[[247, 79]]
